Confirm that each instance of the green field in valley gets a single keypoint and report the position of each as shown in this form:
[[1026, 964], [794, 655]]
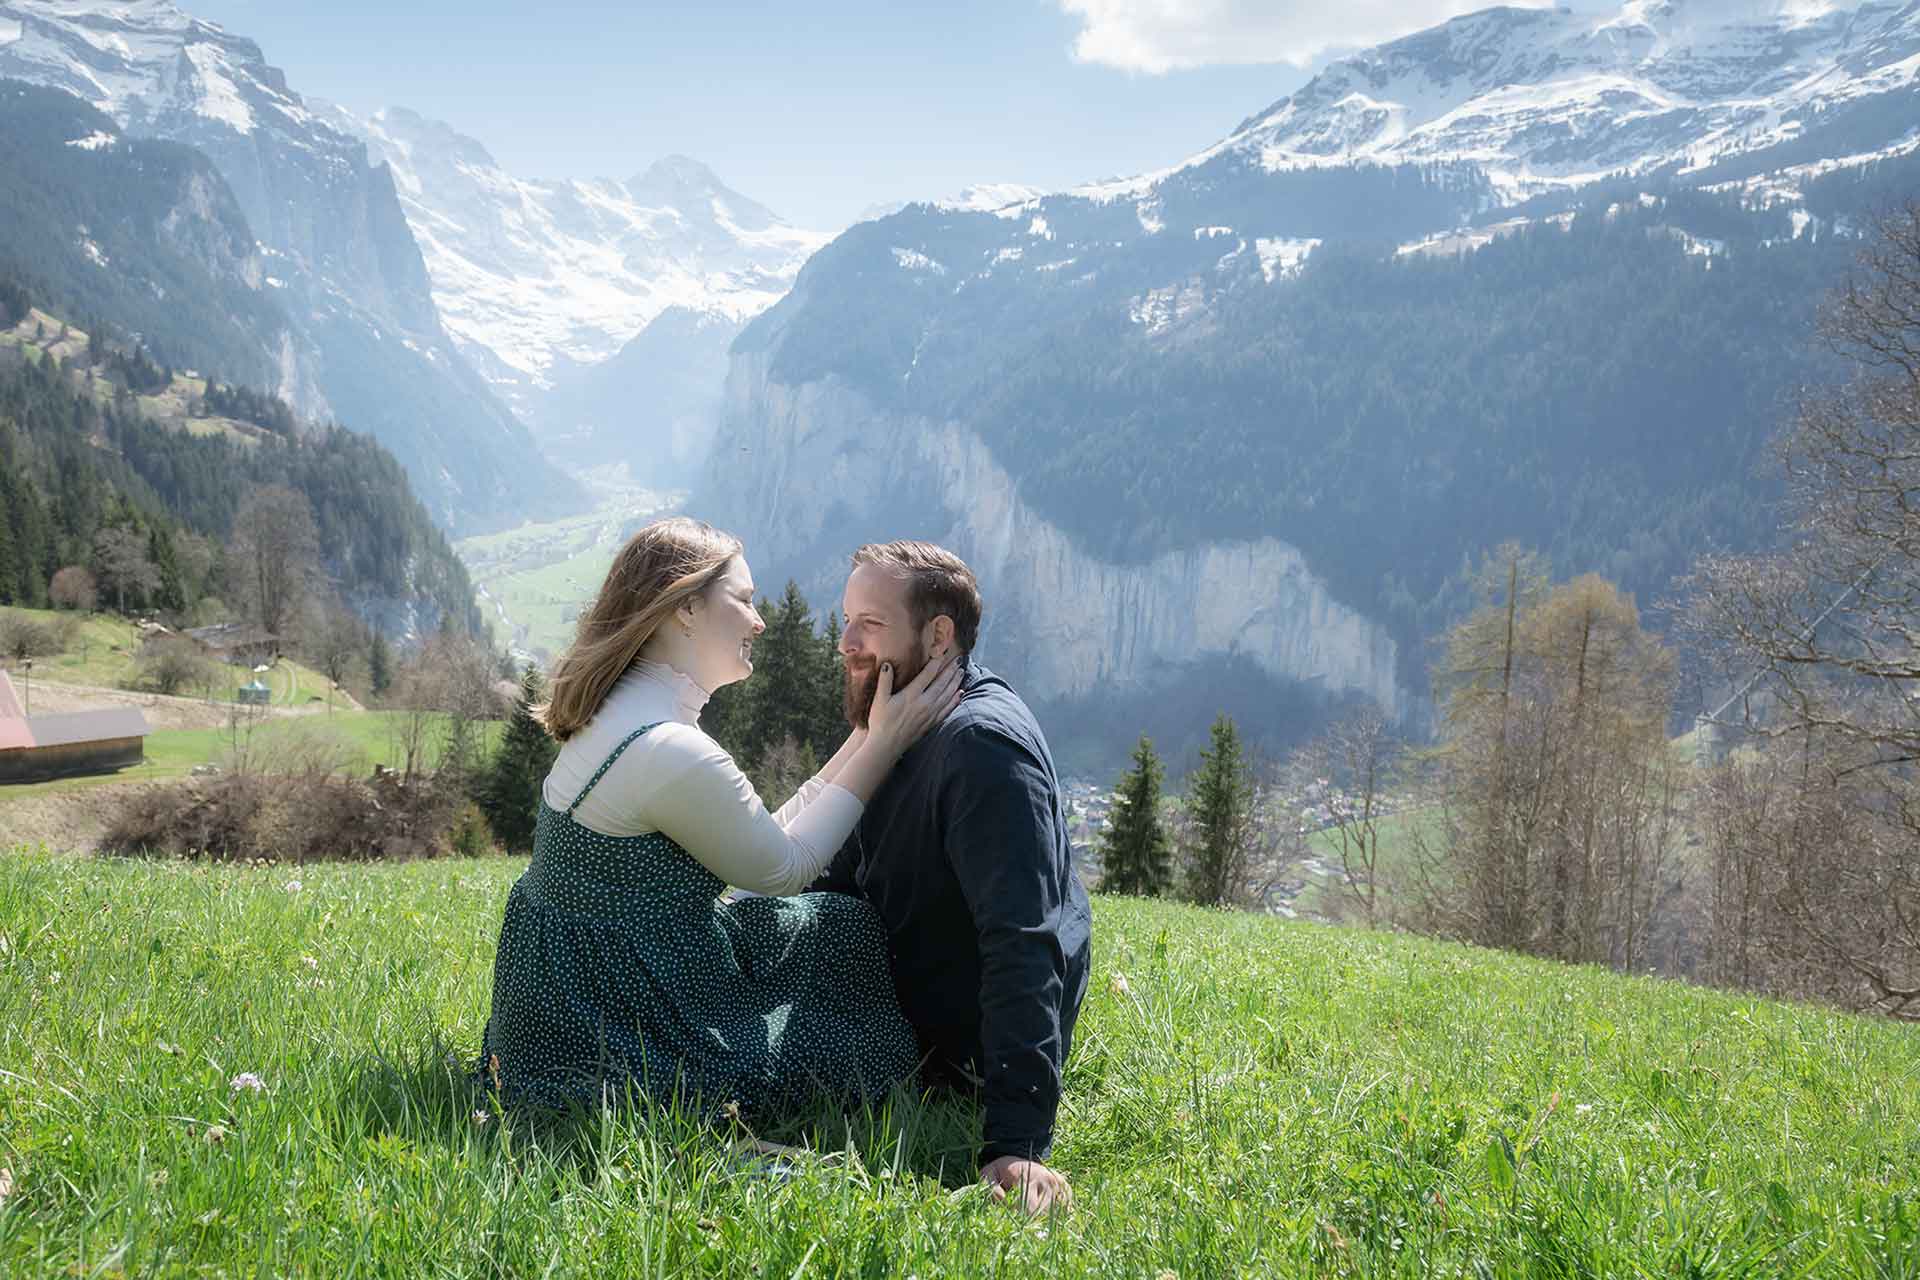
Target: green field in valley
[[533, 580], [1246, 1096]]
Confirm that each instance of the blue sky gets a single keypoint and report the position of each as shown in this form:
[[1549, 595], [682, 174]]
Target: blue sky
[[821, 108]]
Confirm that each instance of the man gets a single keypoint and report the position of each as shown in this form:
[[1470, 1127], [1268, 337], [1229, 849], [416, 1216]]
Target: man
[[963, 851]]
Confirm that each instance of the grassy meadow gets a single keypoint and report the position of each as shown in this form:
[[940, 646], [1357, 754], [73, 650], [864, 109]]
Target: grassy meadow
[[235, 1071], [104, 651], [534, 579]]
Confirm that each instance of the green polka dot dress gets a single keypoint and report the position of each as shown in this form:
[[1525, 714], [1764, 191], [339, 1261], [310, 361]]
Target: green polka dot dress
[[620, 967]]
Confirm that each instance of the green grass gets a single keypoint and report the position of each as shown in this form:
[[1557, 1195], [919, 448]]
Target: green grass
[[537, 577], [357, 740], [105, 650], [1398, 832], [1255, 1098]]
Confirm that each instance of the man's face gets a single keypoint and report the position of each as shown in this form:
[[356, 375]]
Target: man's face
[[878, 628]]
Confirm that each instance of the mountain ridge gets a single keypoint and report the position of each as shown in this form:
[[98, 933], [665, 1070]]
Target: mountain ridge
[[543, 281], [368, 345], [1354, 374]]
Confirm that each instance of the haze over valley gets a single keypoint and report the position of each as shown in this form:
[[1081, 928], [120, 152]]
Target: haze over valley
[[1531, 274]]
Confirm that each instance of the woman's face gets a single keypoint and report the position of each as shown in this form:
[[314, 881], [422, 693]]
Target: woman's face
[[724, 625]]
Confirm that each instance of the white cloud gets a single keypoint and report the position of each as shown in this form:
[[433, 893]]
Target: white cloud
[[1157, 36]]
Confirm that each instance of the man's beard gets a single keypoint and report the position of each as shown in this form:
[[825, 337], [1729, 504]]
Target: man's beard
[[863, 681]]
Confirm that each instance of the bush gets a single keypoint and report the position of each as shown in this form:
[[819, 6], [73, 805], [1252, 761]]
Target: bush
[[24, 637], [282, 818], [168, 666], [74, 588]]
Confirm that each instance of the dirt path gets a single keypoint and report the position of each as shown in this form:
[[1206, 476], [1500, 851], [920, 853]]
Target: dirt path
[[162, 712], [65, 821]]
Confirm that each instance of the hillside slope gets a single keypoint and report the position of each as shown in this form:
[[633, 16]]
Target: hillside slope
[[91, 437], [1244, 1097]]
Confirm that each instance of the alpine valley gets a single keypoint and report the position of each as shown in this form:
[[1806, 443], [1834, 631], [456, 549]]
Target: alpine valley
[[602, 310], [340, 318], [1246, 424]]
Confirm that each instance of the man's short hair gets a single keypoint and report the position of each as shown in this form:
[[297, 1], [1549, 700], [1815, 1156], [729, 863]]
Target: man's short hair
[[938, 582]]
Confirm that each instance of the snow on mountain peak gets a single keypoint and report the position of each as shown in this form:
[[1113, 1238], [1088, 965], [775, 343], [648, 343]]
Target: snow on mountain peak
[[534, 277], [1549, 97], [146, 61]]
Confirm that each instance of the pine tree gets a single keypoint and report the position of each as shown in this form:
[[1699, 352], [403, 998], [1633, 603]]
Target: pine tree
[[785, 668], [379, 665], [1136, 854], [509, 790], [1220, 806], [171, 592], [829, 688]]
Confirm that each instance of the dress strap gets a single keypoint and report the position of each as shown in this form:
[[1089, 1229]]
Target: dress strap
[[607, 764]]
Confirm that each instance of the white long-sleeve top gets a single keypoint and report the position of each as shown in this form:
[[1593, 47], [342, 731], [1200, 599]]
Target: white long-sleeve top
[[675, 779]]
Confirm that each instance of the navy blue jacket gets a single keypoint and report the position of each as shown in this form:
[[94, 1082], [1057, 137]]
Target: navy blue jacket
[[963, 850]]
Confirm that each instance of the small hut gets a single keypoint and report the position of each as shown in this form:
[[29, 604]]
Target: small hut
[[253, 694], [236, 643]]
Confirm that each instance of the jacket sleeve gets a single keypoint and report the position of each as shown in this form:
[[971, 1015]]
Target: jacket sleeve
[[998, 827]]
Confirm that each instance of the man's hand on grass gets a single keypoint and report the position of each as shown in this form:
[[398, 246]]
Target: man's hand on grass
[[1041, 1188]]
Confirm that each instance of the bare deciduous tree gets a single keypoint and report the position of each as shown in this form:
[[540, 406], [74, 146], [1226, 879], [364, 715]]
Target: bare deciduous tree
[[1812, 825], [1349, 769], [275, 558], [1563, 791], [73, 587], [336, 643], [120, 554], [171, 665], [443, 691]]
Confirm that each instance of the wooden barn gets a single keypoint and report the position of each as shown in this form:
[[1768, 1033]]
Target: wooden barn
[[35, 748]]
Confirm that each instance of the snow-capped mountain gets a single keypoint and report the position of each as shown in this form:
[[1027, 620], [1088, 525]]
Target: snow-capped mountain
[[368, 347], [1544, 98], [979, 197], [540, 280], [1532, 273], [1536, 101]]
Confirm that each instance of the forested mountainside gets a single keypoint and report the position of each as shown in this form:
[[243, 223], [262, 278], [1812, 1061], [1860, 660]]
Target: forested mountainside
[[141, 230], [93, 436], [1601, 390], [1546, 276], [367, 346]]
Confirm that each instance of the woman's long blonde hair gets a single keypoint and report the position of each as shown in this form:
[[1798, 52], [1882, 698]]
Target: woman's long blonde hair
[[663, 566]]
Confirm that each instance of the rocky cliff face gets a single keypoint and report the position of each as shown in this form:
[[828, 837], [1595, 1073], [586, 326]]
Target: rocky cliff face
[[805, 473]]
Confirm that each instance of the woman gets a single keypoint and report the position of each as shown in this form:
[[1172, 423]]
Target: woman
[[619, 966]]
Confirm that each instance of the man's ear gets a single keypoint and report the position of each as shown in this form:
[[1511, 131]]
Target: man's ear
[[942, 636]]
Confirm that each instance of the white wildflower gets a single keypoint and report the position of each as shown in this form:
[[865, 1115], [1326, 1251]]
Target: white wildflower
[[248, 1080]]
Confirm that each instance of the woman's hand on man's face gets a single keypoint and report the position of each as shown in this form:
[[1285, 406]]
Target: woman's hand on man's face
[[898, 720]]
